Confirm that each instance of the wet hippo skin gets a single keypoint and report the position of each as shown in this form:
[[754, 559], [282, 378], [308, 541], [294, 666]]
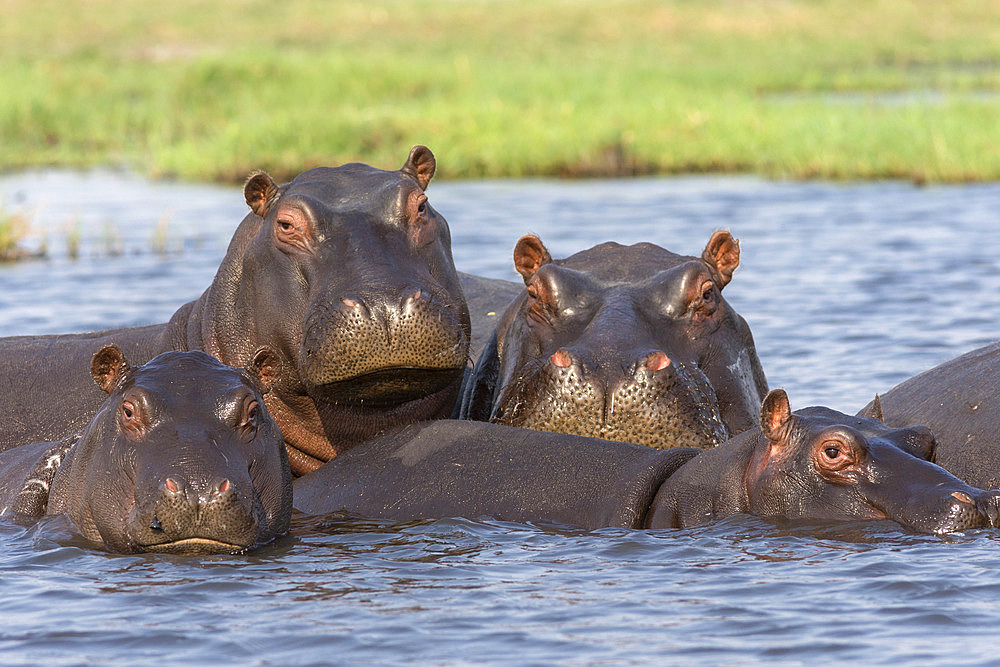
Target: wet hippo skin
[[346, 272], [630, 343], [960, 402], [181, 457], [815, 465]]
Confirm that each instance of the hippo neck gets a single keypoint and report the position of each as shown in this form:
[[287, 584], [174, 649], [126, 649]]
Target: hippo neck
[[214, 322]]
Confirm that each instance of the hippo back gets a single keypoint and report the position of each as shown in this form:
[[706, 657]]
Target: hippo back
[[469, 469]]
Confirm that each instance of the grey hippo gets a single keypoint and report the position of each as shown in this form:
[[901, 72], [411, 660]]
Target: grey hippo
[[631, 343], [959, 401], [345, 271], [181, 457], [813, 465]]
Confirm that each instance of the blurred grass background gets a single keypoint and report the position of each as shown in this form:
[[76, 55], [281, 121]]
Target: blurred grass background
[[782, 88]]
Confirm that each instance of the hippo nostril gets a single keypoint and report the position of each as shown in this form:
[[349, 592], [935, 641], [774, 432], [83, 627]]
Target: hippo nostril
[[172, 485], [657, 361], [351, 303], [561, 358], [155, 524], [961, 497]]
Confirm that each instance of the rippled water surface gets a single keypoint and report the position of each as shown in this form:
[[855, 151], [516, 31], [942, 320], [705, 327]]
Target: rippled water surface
[[848, 289]]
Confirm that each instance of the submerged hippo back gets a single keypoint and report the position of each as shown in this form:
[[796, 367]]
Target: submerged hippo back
[[630, 343]]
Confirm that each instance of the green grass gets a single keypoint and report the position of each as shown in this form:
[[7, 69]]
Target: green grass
[[14, 228], [209, 91]]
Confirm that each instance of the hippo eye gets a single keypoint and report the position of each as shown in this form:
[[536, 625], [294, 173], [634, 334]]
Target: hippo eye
[[707, 291], [127, 410], [286, 226], [253, 412], [831, 452], [422, 207]]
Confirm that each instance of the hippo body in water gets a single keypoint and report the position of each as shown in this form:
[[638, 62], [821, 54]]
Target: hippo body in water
[[346, 272], [815, 465], [959, 401], [181, 457], [631, 343]]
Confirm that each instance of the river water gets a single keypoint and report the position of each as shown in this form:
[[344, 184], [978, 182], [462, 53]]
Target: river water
[[848, 290]]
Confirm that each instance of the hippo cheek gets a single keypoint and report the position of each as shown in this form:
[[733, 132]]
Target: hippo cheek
[[351, 353], [670, 406]]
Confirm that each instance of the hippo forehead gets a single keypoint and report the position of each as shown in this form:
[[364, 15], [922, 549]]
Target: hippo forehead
[[187, 373], [350, 187], [612, 263], [818, 418]]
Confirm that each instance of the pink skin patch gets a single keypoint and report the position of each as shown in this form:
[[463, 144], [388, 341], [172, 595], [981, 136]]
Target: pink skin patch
[[561, 358], [657, 361], [961, 497], [171, 485]]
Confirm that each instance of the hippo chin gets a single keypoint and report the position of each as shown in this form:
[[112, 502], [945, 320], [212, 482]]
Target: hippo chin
[[345, 271], [629, 343], [813, 465], [182, 457], [960, 401]]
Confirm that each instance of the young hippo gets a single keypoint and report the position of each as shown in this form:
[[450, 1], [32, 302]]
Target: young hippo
[[815, 465], [181, 457], [345, 272], [821, 465], [960, 401], [630, 343]]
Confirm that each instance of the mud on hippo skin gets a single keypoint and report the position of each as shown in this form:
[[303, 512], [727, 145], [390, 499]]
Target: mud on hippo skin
[[821, 465], [629, 343], [182, 457], [345, 271]]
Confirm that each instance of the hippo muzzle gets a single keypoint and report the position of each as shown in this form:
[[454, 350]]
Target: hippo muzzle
[[381, 350], [656, 402]]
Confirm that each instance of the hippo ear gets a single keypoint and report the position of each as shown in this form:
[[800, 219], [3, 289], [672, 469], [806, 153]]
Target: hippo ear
[[259, 192], [420, 166], [530, 255], [265, 368], [775, 415], [722, 254], [874, 410], [108, 367]]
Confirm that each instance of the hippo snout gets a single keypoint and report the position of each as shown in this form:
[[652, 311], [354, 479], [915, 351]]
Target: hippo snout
[[348, 347], [970, 508], [217, 516]]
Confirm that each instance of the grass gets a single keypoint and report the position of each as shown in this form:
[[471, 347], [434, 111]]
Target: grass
[[209, 91], [14, 228]]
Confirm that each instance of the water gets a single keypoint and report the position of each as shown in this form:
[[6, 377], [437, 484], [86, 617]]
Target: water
[[848, 289]]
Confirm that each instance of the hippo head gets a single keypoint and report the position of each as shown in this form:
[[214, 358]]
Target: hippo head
[[347, 272], [182, 457], [629, 343], [819, 464]]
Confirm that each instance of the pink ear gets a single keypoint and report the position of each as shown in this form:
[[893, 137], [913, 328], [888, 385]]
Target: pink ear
[[722, 254], [259, 192], [420, 166], [530, 255], [265, 366], [108, 366], [775, 415]]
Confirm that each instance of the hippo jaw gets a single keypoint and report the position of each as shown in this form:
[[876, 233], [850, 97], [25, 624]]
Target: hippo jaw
[[671, 406], [388, 386], [196, 546]]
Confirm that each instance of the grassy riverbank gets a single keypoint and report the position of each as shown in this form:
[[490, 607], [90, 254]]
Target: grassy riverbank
[[209, 91]]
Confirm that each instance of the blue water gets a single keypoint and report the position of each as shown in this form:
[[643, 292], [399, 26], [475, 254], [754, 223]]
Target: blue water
[[848, 289]]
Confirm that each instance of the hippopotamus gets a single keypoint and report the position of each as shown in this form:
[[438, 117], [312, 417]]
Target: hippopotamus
[[812, 465], [959, 401], [181, 457], [631, 343], [346, 272]]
